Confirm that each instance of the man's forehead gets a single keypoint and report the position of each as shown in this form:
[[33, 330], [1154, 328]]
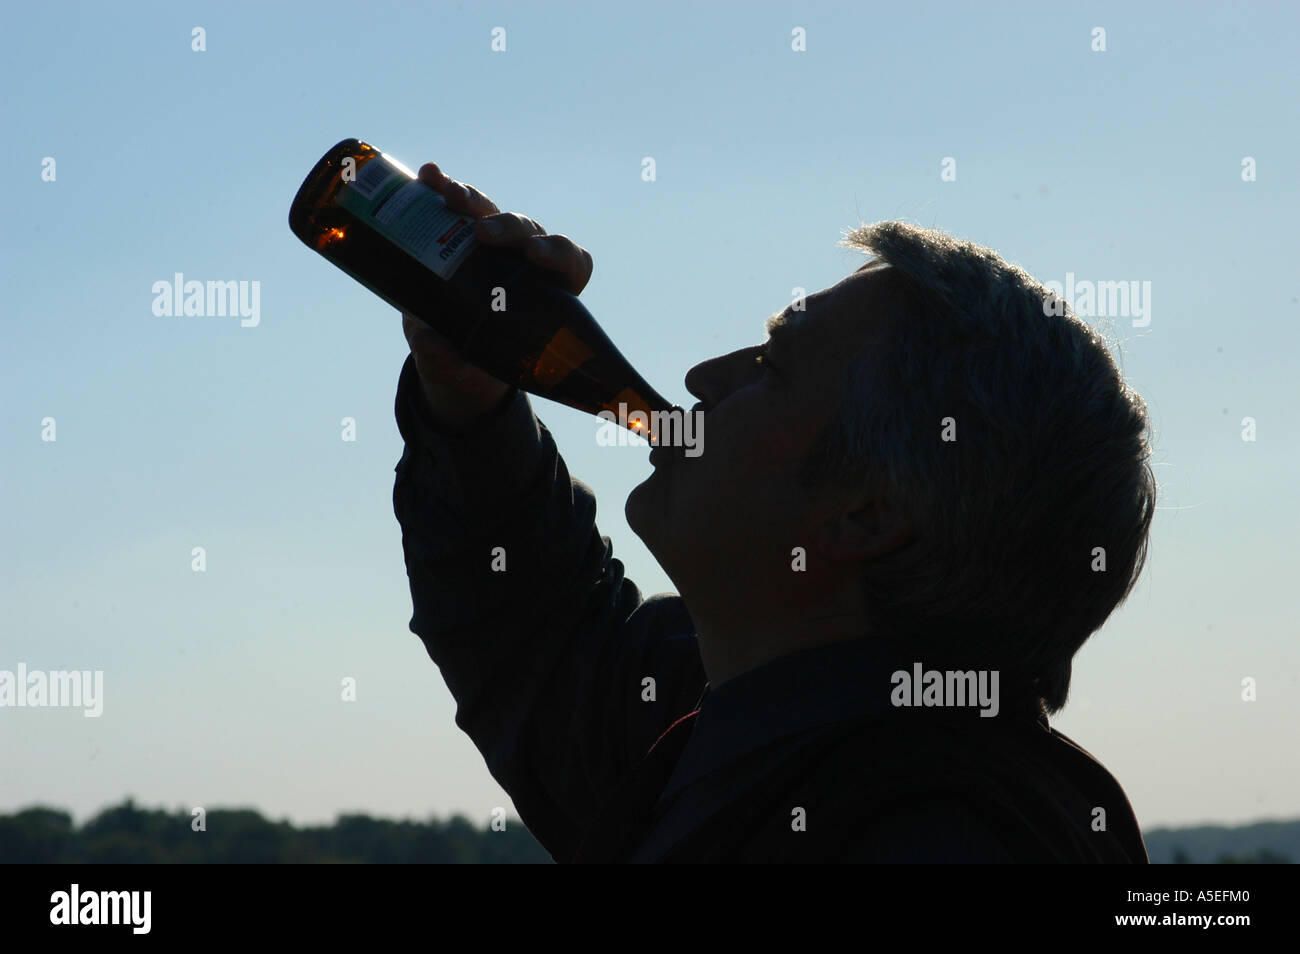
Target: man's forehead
[[795, 322]]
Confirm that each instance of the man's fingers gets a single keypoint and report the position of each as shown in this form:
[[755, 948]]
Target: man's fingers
[[460, 196], [560, 254], [466, 199], [507, 228], [431, 175], [555, 253]]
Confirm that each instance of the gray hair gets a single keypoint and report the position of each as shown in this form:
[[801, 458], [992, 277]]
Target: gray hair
[[1050, 462]]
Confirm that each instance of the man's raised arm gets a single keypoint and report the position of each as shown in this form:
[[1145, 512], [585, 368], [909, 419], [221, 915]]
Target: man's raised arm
[[518, 599]]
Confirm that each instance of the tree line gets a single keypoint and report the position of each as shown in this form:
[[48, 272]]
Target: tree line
[[129, 834]]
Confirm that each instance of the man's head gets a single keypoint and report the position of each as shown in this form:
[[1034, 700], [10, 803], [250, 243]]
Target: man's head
[[963, 474]]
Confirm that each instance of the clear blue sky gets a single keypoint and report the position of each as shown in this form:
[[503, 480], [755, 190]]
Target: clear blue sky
[[222, 687]]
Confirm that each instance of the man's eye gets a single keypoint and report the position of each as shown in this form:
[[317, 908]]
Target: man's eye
[[765, 361]]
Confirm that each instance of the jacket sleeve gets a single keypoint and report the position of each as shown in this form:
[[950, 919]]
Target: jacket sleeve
[[543, 643]]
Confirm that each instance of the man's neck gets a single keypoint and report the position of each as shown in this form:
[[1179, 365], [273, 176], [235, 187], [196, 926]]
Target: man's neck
[[730, 651]]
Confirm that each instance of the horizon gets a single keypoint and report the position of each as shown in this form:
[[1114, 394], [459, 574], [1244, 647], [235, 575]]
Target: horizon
[[482, 824]]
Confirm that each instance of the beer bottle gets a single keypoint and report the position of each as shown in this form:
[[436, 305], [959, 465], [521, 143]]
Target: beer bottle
[[371, 216]]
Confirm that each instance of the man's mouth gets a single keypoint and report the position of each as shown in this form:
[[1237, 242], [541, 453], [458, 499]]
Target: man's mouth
[[665, 453]]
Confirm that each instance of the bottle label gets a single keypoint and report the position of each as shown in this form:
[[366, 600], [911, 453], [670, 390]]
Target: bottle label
[[410, 215]]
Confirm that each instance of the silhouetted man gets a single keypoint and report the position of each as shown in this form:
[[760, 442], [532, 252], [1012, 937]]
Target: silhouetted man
[[916, 500]]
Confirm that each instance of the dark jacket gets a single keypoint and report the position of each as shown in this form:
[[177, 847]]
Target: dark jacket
[[592, 709]]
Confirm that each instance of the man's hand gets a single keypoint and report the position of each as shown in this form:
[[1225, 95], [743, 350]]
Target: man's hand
[[458, 393]]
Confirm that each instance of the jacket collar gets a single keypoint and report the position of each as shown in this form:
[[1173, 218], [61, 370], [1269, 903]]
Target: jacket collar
[[804, 691]]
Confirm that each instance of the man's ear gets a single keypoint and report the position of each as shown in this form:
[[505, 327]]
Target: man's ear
[[865, 528]]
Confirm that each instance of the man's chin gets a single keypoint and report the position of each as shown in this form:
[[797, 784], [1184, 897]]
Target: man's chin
[[640, 507], [647, 515]]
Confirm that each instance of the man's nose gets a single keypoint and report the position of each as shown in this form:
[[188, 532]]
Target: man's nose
[[713, 380]]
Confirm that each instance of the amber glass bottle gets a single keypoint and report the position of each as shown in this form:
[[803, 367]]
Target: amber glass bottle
[[372, 218]]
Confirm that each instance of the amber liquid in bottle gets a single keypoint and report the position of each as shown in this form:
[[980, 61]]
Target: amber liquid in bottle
[[369, 216]]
